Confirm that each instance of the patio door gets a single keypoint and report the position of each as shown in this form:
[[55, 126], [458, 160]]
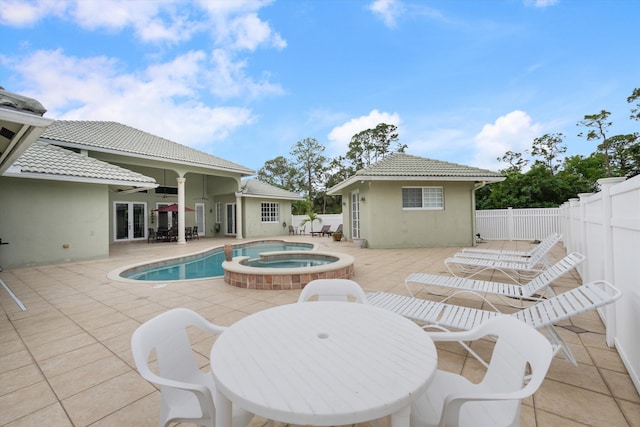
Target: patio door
[[231, 219], [355, 215], [200, 218], [129, 221]]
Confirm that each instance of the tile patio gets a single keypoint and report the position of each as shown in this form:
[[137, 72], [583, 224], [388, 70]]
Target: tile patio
[[66, 361]]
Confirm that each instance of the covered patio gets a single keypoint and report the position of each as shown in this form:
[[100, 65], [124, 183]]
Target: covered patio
[[66, 359]]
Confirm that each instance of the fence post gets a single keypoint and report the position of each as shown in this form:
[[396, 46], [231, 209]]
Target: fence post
[[510, 223], [610, 314], [584, 249]]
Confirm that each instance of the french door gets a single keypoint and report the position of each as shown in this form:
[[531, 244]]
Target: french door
[[129, 220], [231, 219], [355, 215]]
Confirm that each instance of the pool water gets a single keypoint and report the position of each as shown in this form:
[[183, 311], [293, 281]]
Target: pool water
[[288, 263], [208, 264]]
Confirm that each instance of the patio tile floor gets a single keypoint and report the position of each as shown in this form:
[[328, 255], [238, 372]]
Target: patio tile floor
[[66, 360]]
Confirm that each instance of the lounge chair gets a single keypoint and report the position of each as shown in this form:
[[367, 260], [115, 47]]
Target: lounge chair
[[545, 245], [535, 290], [325, 230], [543, 314], [514, 267]]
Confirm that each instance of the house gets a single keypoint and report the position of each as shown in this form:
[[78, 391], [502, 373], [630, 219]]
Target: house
[[70, 189], [408, 201], [267, 209]]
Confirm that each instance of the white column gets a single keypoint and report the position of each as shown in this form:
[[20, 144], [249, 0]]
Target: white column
[[239, 215], [181, 239]]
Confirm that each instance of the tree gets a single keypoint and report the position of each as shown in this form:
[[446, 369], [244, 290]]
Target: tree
[[635, 112], [549, 148], [281, 173], [308, 158], [372, 145], [311, 216], [515, 160], [598, 126], [625, 154]]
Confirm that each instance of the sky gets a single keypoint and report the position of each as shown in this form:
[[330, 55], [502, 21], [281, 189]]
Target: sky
[[464, 81]]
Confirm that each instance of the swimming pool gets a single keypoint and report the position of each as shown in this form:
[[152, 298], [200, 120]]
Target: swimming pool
[[208, 264]]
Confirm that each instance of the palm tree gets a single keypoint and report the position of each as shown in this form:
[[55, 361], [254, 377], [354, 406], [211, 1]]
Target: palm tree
[[311, 216]]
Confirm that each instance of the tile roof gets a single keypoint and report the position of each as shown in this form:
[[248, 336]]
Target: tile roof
[[20, 102], [401, 164], [116, 137], [255, 188], [45, 159]]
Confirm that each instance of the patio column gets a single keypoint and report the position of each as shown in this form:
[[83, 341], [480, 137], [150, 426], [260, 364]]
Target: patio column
[[239, 215], [181, 239]]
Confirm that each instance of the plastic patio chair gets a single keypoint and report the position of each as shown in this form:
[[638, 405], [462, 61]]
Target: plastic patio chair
[[187, 392], [333, 290], [535, 290], [519, 364]]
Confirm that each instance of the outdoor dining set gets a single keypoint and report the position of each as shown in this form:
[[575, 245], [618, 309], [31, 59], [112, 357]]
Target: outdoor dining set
[[343, 356]]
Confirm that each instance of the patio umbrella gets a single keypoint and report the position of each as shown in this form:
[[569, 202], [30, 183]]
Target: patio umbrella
[[172, 208]]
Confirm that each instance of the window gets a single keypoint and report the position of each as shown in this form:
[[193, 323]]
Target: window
[[270, 212], [218, 212], [422, 198]]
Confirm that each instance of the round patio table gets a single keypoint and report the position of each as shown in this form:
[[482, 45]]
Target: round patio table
[[322, 363]]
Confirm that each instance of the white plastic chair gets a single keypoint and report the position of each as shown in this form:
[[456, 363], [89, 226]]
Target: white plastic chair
[[519, 364], [333, 290], [187, 392]]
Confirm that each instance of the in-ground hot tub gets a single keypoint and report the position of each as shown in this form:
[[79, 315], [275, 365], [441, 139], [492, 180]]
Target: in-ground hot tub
[[286, 270]]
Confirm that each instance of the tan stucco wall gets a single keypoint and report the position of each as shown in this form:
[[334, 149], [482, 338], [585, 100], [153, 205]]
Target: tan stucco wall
[[38, 217], [253, 225], [384, 224]]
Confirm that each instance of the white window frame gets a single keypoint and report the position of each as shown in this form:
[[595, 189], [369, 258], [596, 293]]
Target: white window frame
[[272, 212], [428, 202]]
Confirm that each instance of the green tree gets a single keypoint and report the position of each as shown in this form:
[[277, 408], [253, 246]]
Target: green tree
[[280, 172], [625, 154], [311, 217], [515, 160], [598, 125], [372, 145], [308, 158], [549, 147], [635, 111]]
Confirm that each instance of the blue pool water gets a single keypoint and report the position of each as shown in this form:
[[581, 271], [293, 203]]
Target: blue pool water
[[208, 264], [295, 262]]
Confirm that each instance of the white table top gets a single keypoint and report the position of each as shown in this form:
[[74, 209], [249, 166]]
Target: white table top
[[323, 363]]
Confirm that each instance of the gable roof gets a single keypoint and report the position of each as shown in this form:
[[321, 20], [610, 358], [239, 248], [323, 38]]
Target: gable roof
[[255, 188], [405, 167], [44, 161], [112, 137]]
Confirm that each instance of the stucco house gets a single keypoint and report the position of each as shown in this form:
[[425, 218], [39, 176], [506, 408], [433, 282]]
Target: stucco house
[[70, 189], [408, 201]]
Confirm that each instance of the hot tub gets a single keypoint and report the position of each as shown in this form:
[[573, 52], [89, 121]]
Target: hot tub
[[286, 270]]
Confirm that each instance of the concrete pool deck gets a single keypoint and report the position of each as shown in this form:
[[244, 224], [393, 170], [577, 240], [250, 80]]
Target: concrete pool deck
[[66, 360]]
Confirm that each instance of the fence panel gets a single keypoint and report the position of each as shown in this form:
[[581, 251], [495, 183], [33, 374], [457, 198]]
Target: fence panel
[[517, 224]]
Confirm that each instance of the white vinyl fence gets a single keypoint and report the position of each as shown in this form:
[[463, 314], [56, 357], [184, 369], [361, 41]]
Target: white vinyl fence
[[517, 224], [605, 226]]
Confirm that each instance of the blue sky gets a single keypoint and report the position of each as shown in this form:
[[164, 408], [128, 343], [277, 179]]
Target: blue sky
[[464, 81]]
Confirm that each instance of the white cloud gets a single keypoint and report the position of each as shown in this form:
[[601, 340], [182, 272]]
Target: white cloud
[[340, 136], [541, 3], [387, 10], [160, 99], [19, 13], [512, 132]]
